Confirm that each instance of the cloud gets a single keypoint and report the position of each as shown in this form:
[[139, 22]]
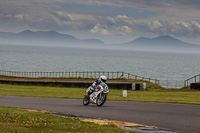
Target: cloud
[[121, 17], [110, 20], [99, 29], [182, 28], [155, 25], [19, 16], [112, 26], [196, 26], [107, 18], [63, 16], [124, 30], [124, 25]]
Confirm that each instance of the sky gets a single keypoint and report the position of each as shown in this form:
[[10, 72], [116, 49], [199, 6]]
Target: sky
[[115, 21]]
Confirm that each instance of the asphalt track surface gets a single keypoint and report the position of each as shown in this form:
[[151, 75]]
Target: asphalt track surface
[[176, 117]]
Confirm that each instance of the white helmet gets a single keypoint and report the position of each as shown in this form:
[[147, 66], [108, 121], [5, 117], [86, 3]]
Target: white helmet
[[103, 78]]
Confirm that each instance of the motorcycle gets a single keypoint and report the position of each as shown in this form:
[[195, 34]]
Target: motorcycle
[[98, 97]]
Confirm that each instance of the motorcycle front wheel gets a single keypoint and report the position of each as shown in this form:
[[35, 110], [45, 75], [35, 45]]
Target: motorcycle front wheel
[[86, 100], [101, 99]]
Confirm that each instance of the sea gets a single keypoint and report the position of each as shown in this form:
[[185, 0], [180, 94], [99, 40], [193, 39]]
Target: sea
[[158, 65]]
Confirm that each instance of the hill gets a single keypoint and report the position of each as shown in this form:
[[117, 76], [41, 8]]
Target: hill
[[161, 43], [53, 38], [47, 38]]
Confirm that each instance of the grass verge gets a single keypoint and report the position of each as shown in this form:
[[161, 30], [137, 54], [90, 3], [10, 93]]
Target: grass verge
[[21, 121], [185, 96]]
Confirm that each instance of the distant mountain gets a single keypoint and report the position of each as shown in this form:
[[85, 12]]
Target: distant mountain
[[161, 43], [46, 35], [47, 38], [53, 38]]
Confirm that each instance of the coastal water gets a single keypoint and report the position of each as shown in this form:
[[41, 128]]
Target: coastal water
[[162, 66]]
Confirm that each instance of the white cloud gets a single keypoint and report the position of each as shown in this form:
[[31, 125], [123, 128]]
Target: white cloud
[[121, 17], [196, 26], [19, 16], [156, 25], [110, 20], [98, 29], [64, 16], [124, 30]]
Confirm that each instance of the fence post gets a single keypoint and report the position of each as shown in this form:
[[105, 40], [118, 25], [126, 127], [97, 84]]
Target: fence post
[[195, 78], [199, 77], [185, 83]]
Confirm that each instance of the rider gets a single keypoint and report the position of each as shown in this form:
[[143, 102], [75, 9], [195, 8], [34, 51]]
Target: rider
[[94, 86]]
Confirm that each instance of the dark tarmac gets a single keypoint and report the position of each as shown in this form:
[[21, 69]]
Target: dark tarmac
[[175, 117]]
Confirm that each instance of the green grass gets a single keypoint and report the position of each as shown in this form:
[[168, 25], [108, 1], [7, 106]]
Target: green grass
[[21, 121], [152, 95], [41, 91], [159, 96]]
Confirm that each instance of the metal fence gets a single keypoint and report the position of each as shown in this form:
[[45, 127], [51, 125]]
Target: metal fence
[[110, 75], [193, 79]]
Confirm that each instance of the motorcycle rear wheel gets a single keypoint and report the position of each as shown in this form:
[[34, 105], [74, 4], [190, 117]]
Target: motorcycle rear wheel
[[101, 99], [86, 100]]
